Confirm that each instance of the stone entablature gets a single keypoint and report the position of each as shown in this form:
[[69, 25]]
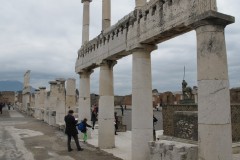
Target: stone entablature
[[155, 22]]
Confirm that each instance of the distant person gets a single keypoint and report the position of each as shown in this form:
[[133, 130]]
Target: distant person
[[125, 107], [9, 106], [94, 118], [122, 110], [116, 122], [154, 131], [71, 130], [83, 128], [1, 106]]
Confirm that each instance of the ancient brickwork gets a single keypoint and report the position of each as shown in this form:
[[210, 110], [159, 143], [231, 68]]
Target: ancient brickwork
[[178, 113]]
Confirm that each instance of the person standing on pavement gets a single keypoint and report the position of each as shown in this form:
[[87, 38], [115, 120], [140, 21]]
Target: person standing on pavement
[[116, 122], [71, 130], [83, 128], [1, 106], [122, 110]]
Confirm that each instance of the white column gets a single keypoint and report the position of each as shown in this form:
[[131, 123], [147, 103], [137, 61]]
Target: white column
[[84, 108], [139, 3], [86, 17], [214, 114], [106, 14], [106, 130], [142, 106]]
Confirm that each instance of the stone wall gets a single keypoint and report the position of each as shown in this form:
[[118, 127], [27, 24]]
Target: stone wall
[[173, 114], [172, 150], [7, 97]]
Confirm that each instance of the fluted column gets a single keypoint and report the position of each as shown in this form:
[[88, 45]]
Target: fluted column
[[139, 3], [106, 14], [106, 130], [214, 113], [86, 20], [142, 106]]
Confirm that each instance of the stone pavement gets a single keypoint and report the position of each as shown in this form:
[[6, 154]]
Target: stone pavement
[[25, 138]]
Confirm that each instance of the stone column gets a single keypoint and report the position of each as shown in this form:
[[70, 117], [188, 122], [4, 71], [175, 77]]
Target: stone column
[[36, 104], [106, 130], [214, 114], [60, 108], [53, 102], [84, 109], [106, 14], [71, 94], [86, 15], [142, 106], [139, 3], [42, 94]]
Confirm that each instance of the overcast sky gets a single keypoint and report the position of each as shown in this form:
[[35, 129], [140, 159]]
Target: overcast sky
[[44, 36]]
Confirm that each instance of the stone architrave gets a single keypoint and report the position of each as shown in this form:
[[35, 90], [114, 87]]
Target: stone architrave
[[84, 108], [142, 106], [53, 102], [60, 106], [106, 138], [214, 113], [71, 94]]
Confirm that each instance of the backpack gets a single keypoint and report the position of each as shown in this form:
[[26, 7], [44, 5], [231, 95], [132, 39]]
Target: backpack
[[81, 127]]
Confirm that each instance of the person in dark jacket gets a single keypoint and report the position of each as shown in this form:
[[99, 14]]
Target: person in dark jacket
[[71, 130], [94, 118]]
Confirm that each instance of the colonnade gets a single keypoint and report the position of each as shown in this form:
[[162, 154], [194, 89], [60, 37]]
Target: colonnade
[[213, 91]]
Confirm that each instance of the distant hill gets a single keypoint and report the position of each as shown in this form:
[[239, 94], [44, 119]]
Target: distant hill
[[11, 86]]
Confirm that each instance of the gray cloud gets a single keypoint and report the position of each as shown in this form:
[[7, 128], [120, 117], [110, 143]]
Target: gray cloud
[[44, 37]]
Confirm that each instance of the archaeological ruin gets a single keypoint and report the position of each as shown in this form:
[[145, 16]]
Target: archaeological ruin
[[138, 34]]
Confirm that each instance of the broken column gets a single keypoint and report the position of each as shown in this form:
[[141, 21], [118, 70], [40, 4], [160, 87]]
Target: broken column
[[53, 102], [214, 114], [42, 94], [106, 138], [71, 94], [60, 106]]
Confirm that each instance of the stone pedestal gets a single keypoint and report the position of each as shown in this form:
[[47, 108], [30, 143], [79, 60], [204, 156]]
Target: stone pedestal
[[214, 120], [106, 130], [142, 106]]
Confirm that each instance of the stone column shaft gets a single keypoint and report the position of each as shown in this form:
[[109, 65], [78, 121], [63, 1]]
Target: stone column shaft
[[71, 94], [86, 20], [214, 113], [142, 106], [106, 138], [84, 96], [139, 3], [106, 14]]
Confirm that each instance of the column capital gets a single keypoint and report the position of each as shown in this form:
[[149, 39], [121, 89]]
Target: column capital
[[86, 1], [85, 72], [143, 48], [109, 63]]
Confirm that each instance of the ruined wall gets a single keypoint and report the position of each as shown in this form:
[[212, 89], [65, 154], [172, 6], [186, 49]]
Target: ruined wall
[[169, 112], [7, 97]]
